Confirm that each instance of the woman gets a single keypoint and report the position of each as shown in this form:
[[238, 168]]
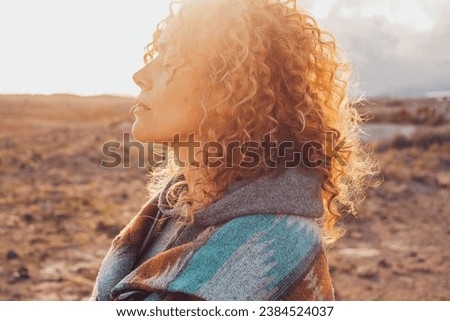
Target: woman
[[264, 158]]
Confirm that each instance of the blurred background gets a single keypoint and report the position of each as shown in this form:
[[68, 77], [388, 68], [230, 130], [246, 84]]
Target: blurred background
[[66, 88]]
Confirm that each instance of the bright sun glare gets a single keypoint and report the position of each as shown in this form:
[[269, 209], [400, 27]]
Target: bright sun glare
[[55, 46]]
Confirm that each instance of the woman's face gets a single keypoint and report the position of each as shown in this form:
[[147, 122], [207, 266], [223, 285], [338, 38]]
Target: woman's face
[[167, 106]]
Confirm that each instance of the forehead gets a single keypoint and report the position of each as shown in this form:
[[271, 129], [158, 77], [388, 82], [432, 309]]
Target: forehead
[[164, 39], [174, 40]]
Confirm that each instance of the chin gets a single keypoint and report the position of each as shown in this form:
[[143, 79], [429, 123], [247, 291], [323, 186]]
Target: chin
[[139, 133], [142, 134]]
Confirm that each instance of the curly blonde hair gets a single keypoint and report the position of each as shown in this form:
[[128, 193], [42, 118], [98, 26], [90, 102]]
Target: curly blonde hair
[[271, 69]]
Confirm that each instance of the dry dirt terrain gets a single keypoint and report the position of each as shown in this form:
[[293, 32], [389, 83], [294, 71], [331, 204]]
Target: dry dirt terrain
[[60, 209]]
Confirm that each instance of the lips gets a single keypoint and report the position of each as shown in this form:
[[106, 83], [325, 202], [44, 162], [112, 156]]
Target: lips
[[144, 106], [138, 108]]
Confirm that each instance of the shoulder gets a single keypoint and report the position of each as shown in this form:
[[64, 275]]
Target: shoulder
[[275, 225], [252, 257], [285, 235]]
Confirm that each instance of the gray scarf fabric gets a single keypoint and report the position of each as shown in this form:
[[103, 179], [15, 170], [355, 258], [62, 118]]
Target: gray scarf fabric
[[294, 191]]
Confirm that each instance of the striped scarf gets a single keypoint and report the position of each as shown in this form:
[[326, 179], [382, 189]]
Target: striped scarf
[[260, 241]]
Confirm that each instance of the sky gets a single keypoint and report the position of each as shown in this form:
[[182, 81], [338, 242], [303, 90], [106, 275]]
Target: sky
[[397, 47]]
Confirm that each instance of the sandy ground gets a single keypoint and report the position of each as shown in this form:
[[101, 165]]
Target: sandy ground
[[60, 209]]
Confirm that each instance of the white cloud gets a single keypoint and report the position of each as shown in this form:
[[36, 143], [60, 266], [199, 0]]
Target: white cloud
[[397, 46]]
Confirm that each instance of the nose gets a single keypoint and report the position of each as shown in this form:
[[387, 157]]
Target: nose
[[141, 78]]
